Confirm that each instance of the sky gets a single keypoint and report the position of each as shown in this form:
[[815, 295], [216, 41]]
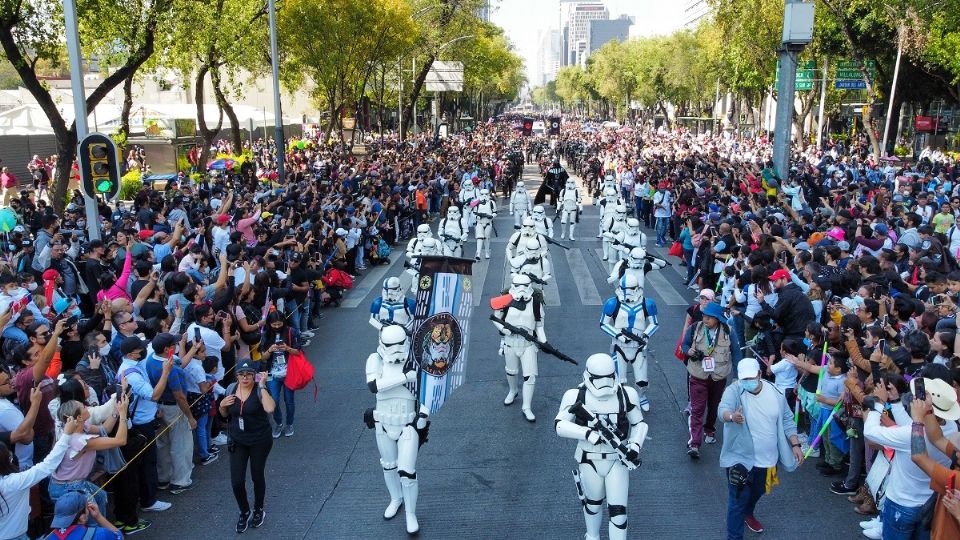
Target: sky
[[525, 20]]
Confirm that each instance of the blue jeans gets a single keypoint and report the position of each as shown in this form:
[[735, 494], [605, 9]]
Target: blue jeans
[[297, 320], [901, 522], [58, 489], [688, 258], [275, 386], [742, 501], [662, 224], [202, 436]]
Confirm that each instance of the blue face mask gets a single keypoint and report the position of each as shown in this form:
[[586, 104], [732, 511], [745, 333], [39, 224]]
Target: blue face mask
[[807, 342], [750, 385]]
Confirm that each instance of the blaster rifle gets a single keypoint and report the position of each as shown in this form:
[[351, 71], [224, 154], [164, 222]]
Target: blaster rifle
[[651, 258], [534, 278], [395, 323], [554, 242], [640, 339], [545, 347], [608, 434]]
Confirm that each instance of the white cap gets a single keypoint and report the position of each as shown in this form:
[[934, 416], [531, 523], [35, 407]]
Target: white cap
[[341, 232], [748, 368]]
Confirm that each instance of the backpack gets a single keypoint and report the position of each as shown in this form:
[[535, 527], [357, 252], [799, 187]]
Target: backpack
[[252, 314]]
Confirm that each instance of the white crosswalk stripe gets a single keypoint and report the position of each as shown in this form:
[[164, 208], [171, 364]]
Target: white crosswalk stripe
[[480, 271], [586, 288]]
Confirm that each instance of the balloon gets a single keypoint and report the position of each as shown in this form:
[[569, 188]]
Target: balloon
[[8, 220], [301, 145]]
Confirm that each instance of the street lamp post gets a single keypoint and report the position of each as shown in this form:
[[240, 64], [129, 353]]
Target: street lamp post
[[797, 32], [277, 111], [893, 91]]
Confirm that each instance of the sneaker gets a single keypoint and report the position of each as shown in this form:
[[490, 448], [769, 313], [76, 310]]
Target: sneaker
[[710, 439], [163, 486], [257, 519], [214, 450], [875, 534], [305, 343], [209, 459], [277, 431], [287, 432], [831, 471], [693, 452], [840, 488], [242, 523], [157, 506], [220, 439], [306, 334], [753, 524], [176, 490], [139, 526], [870, 523]]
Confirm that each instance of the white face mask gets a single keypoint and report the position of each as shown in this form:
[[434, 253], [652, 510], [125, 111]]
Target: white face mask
[[105, 350], [32, 286]]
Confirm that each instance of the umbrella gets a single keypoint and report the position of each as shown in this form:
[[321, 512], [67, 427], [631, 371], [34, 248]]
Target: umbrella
[[589, 129], [626, 129], [222, 164], [891, 159]]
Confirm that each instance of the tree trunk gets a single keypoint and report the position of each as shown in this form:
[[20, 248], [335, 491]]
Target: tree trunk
[[125, 110], [224, 105], [207, 135], [410, 109], [66, 152]]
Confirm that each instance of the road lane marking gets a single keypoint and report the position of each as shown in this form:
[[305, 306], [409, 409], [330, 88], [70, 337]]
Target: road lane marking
[[589, 296]]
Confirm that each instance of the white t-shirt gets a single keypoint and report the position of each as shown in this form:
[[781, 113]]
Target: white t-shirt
[[784, 375], [761, 411], [212, 342], [10, 420]]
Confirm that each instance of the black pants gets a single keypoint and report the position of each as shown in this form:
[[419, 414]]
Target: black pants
[[133, 486], [256, 454]]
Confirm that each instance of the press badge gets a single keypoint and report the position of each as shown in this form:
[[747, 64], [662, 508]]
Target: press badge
[[708, 365], [240, 420]]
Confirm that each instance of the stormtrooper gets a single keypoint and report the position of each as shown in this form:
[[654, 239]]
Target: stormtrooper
[[569, 208], [532, 264], [399, 420], [519, 241], [524, 310], [602, 416], [543, 224], [630, 237], [520, 204], [485, 211], [428, 246], [630, 319], [609, 182], [637, 264], [408, 278], [391, 308], [468, 194], [607, 203], [453, 231], [613, 223]]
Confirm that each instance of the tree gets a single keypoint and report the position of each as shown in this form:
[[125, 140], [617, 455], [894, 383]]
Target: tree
[[32, 33]]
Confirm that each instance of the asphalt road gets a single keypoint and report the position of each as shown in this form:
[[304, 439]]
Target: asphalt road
[[486, 473]]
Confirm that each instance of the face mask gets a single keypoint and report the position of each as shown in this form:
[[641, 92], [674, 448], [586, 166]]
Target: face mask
[[807, 342], [32, 286], [105, 350], [750, 385]]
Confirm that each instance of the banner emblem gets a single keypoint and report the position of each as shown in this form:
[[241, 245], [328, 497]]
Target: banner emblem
[[437, 344]]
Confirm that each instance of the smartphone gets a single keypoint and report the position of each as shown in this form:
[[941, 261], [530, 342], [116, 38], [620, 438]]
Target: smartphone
[[713, 231], [92, 351], [196, 334], [886, 320], [919, 389], [258, 377], [952, 481]]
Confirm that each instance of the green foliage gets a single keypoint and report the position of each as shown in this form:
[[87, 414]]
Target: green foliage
[[901, 151], [130, 184]]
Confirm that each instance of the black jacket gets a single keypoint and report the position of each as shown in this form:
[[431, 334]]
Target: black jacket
[[793, 310]]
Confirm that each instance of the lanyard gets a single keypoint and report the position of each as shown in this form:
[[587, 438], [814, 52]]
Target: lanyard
[[711, 346]]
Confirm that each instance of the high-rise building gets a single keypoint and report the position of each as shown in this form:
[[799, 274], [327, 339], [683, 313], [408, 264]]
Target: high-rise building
[[548, 57], [601, 32], [575, 16]]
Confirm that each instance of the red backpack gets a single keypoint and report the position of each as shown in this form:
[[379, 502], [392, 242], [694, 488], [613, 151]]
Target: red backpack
[[299, 373]]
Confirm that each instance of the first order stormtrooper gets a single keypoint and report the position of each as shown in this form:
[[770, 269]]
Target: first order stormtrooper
[[391, 308], [637, 264], [613, 223], [468, 194], [453, 232], [607, 204], [628, 238], [630, 319], [570, 208], [520, 204], [541, 222], [523, 310], [602, 416], [519, 241], [427, 246], [485, 212], [532, 264], [399, 420]]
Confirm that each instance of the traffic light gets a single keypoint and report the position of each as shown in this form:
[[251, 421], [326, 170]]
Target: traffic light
[[99, 162]]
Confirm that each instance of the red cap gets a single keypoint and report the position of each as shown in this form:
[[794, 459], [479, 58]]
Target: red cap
[[780, 274], [145, 234], [51, 274], [222, 218]]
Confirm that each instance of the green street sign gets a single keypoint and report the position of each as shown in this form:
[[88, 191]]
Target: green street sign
[[806, 75], [853, 64], [804, 85]]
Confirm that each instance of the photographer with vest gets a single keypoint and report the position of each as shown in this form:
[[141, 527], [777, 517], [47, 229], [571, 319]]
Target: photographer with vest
[[711, 354]]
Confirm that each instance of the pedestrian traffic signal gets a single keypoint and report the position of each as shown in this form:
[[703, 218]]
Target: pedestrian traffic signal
[[99, 162]]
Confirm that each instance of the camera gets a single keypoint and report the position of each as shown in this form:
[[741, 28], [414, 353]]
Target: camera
[[696, 356]]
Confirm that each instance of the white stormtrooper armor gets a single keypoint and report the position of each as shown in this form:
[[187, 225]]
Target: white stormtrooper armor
[[532, 264], [630, 311], [429, 246], [570, 208], [468, 194], [485, 211], [542, 223], [408, 280], [398, 419], [613, 223], [602, 475], [453, 231], [524, 311], [609, 201], [518, 245], [609, 182], [391, 307], [630, 237], [636, 264], [520, 204]]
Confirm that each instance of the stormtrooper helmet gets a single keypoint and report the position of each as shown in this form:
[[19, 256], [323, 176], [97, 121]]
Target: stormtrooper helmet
[[620, 212], [521, 288], [423, 232], [538, 212], [529, 227], [628, 289], [453, 213], [430, 246], [520, 185], [393, 346], [571, 185], [610, 193], [608, 180], [600, 376], [484, 195], [633, 226], [391, 290], [636, 258]]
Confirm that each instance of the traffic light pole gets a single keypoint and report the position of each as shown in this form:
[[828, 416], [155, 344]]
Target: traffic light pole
[[79, 103]]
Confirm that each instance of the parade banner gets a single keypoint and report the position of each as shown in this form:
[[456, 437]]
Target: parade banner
[[441, 327]]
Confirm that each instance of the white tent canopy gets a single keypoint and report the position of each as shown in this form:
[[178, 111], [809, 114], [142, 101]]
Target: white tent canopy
[[30, 119], [245, 113]]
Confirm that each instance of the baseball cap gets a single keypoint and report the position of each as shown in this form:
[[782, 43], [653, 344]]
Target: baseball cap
[[246, 366], [708, 294], [843, 245], [881, 228], [145, 234], [780, 274], [222, 218], [163, 341], [341, 232], [748, 368], [132, 343], [68, 507]]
